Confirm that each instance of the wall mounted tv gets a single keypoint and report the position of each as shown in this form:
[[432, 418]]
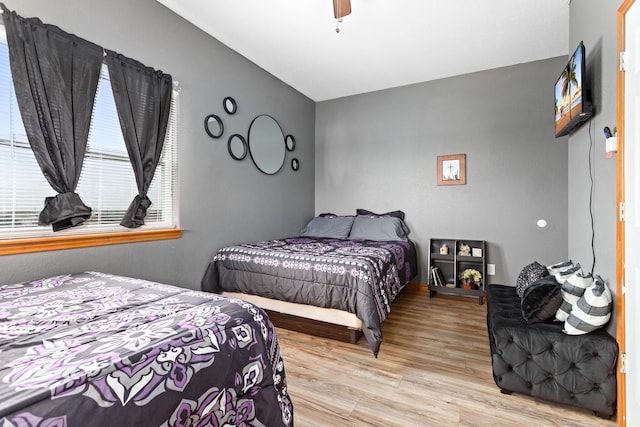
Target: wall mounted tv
[[571, 96]]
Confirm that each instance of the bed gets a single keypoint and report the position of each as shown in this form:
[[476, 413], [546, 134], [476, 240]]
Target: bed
[[340, 270], [99, 349]]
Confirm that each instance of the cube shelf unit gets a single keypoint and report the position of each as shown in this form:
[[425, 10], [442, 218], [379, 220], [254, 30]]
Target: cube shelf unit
[[451, 264]]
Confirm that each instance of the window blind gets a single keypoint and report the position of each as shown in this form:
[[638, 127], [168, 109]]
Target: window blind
[[107, 182]]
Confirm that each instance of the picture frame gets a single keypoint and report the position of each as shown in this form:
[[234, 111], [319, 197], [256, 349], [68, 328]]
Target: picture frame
[[452, 169]]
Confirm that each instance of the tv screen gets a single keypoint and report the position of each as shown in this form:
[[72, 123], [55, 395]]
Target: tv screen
[[572, 106]]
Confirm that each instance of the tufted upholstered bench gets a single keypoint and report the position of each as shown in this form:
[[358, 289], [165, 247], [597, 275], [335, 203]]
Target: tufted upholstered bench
[[542, 361]]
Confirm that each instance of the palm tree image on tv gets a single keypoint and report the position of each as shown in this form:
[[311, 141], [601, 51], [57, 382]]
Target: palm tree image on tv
[[568, 92]]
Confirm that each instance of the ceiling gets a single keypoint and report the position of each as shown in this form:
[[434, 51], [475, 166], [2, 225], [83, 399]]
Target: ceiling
[[383, 43]]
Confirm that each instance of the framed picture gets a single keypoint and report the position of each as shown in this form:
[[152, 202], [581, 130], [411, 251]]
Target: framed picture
[[451, 170]]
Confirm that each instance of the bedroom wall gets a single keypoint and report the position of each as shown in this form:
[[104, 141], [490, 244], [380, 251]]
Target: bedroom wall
[[594, 22], [378, 151], [222, 201]]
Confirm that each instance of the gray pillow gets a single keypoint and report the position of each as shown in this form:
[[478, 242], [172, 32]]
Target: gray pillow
[[383, 228], [334, 227]]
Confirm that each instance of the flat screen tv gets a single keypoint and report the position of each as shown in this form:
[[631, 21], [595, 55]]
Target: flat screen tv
[[571, 98]]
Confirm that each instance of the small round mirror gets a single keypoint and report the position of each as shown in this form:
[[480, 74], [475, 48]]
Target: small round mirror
[[237, 146], [290, 143], [213, 126], [229, 105], [295, 164], [266, 144]]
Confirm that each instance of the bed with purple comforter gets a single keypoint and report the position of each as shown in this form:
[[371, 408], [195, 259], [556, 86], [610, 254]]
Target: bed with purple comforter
[[362, 277], [93, 349]]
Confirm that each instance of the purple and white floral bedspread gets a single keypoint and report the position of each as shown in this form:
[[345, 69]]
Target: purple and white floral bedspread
[[93, 349]]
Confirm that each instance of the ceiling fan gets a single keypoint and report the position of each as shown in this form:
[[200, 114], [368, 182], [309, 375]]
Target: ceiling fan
[[341, 8]]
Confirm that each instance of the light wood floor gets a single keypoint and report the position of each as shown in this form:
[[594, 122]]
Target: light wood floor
[[434, 369]]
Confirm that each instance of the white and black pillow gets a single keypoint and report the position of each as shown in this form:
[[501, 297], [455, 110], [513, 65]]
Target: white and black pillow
[[529, 274], [563, 274], [559, 266], [573, 287], [592, 311]]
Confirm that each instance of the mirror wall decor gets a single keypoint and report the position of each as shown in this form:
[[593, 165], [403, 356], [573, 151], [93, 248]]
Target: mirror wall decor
[[290, 143], [266, 144], [295, 164], [229, 105], [213, 126], [237, 146]]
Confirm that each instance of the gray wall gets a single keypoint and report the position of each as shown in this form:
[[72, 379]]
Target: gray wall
[[222, 201], [594, 22], [378, 151]]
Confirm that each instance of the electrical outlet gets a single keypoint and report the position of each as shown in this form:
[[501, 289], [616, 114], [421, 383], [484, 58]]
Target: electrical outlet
[[491, 269]]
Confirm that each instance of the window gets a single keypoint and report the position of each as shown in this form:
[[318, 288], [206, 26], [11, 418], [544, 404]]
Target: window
[[107, 182]]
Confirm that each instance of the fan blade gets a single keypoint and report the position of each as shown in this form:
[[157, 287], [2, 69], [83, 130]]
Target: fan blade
[[341, 8]]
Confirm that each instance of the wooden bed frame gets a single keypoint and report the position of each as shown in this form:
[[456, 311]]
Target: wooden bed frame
[[314, 327], [321, 322], [317, 321]]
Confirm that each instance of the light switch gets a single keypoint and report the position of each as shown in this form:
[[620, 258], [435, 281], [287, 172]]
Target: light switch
[[491, 269]]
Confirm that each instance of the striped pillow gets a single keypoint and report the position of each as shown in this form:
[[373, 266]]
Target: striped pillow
[[573, 287], [564, 274], [555, 268], [592, 311]]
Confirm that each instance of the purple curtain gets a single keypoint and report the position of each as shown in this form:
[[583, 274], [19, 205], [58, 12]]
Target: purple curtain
[[143, 101], [55, 75]]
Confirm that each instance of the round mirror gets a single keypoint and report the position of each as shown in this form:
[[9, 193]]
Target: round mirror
[[213, 126], [266, 144], [295, 164], [229, 105], [290, 143], [237, 146]]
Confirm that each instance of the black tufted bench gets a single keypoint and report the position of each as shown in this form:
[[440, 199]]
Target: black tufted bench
[[542, 361]]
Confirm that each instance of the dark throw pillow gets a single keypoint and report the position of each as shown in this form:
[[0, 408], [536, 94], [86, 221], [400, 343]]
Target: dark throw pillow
[[397, 214], [530, 274], [541, 300]]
